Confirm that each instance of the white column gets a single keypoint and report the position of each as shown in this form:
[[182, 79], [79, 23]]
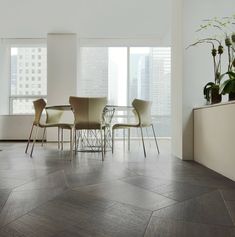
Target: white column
[[61, 67], [4, 77], [61, 72], [177, 78]]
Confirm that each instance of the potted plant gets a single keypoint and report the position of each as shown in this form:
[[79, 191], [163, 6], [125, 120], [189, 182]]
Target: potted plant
[[211, 89], [224, 25], [228, 86]]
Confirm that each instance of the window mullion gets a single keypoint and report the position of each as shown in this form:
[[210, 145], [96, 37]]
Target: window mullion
[[128, 76]]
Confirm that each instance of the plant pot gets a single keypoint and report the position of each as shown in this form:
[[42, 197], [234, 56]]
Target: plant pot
[[215, 96], [231, 96]]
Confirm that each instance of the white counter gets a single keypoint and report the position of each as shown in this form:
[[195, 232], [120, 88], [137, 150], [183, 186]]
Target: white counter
[[214, 137]]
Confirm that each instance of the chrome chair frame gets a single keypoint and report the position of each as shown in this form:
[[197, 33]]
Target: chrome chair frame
[[39, 106], [142, 112]]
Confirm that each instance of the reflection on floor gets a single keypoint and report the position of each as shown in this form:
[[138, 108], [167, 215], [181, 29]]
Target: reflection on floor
[[126, 195]]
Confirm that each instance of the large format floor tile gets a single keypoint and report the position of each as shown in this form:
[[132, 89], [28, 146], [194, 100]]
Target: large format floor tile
[[159, 227], [147, 183], [21, 202], [178, 191], [206, 209], [62, 218], [126, 195], [4, 194], [54, 180]]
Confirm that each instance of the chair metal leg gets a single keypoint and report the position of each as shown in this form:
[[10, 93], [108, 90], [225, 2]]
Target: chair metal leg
[[105, 140], [73, 135], [124, 138], [129, 134], [71, 144], [58, 138], [62, 139], [155, 138], [26, 150], [102, 143], [112, 140], [75, 140], [43, 136], [35, 138], [143, 141]]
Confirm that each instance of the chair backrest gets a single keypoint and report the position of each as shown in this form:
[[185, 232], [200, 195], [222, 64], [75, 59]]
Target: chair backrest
[[53, 116], [143, 110], [39, 106], [87, 111]]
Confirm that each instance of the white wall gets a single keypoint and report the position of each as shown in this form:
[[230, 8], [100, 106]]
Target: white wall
[[16, 127], [87, 18], [198, 67], [197, 64]]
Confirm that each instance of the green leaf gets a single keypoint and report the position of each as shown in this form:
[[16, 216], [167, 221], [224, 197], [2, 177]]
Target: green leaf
[[227, 86], [231, 74], [222, 89], [232, 87]]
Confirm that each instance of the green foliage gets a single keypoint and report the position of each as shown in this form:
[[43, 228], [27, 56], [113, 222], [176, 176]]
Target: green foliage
[[228, 85], [225, 39]]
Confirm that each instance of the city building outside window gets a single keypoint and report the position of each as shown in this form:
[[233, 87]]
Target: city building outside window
[[22, 80], [125, 73]]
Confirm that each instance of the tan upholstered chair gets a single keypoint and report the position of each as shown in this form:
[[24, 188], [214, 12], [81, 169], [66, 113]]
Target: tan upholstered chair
[[88, 113], [142, 111], [52, 120]]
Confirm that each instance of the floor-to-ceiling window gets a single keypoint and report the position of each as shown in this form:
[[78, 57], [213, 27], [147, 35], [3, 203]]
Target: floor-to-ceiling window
[[125, 73], [28, 77]]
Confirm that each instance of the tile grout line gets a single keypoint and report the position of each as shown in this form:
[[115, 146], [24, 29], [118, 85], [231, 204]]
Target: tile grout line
[[1, 227], [185, 200], [148, 223], [153, 191], [34, 179], [172, 204], [179, 220], [5, 202], [198, 223], [225, 203]]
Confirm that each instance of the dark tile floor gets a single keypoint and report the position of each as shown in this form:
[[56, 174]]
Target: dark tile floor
[[126, 195]]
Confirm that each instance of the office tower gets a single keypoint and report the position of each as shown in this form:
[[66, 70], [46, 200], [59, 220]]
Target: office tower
[[28, 77]]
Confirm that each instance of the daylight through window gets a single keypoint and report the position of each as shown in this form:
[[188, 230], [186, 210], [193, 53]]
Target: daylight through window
[[28, 78]]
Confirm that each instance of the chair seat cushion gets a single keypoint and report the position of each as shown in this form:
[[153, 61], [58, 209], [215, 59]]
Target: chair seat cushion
[[48, 125], [65, 125], [124, 125], [61, 125]]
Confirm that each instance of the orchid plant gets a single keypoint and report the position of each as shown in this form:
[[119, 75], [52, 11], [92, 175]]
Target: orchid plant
[[226, 35]]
